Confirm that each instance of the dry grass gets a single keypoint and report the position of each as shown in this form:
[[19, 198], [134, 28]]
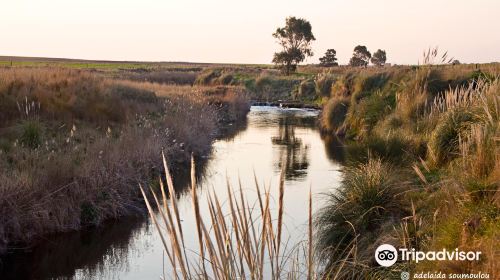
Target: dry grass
[[74, 145], [236, 242]]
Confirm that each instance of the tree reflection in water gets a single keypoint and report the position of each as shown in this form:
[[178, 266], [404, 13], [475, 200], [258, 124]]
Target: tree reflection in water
[[292, 152]]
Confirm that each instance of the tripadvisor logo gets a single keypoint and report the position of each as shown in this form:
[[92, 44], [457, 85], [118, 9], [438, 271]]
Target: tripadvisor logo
[[386, 255]]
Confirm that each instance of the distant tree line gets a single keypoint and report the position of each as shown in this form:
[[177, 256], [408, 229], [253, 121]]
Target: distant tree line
[[361, 57], [296, 38]]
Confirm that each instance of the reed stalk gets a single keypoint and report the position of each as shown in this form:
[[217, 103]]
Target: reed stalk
[[242, 243]]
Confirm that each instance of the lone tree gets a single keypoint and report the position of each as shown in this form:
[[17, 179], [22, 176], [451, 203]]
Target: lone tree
[[295, 39], [360, 57], [329, 59], [379, 58]]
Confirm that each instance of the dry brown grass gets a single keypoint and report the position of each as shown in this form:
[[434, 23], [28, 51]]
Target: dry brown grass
[[76, 157]]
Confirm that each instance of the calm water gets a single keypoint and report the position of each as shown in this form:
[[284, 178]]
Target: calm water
[[132, 249]]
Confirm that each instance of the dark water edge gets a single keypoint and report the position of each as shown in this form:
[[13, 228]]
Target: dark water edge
[[90, 246]]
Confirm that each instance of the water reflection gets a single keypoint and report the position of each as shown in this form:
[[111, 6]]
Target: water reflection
[[61, 255], [293, 152], [334, 148]]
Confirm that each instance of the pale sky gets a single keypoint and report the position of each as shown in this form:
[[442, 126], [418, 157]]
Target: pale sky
[[231, 31]]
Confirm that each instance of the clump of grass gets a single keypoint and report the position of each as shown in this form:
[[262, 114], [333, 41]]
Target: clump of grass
[[306, 90], [348, 225], [31, 134], [394, 148], [455, 112], [244, 242], [443, 144], [323, 83], [214, 77], [368, 111], [207, 76], [441, 125], [334, 114]]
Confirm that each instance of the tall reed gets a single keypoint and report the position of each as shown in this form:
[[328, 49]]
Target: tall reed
[[233, 244]]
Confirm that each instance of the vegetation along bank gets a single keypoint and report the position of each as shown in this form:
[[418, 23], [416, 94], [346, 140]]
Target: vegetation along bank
[[422, 155], [75, 143]]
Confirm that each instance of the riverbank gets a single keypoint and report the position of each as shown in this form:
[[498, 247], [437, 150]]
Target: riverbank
[[423, 168], [75, 144]]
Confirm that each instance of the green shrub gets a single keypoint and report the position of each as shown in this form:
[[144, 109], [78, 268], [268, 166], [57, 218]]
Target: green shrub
[[31, 134], [480, 75]]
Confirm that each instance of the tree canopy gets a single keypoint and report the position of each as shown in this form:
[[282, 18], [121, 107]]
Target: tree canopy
[[379, 58], [360, 57], [329, 59], [295, 39]]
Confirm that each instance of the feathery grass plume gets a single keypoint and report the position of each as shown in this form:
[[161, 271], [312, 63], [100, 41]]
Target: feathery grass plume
[[234, 246], [456, 111]]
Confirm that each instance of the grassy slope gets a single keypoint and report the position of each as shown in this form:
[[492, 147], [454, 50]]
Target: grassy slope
[[423, 166]]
